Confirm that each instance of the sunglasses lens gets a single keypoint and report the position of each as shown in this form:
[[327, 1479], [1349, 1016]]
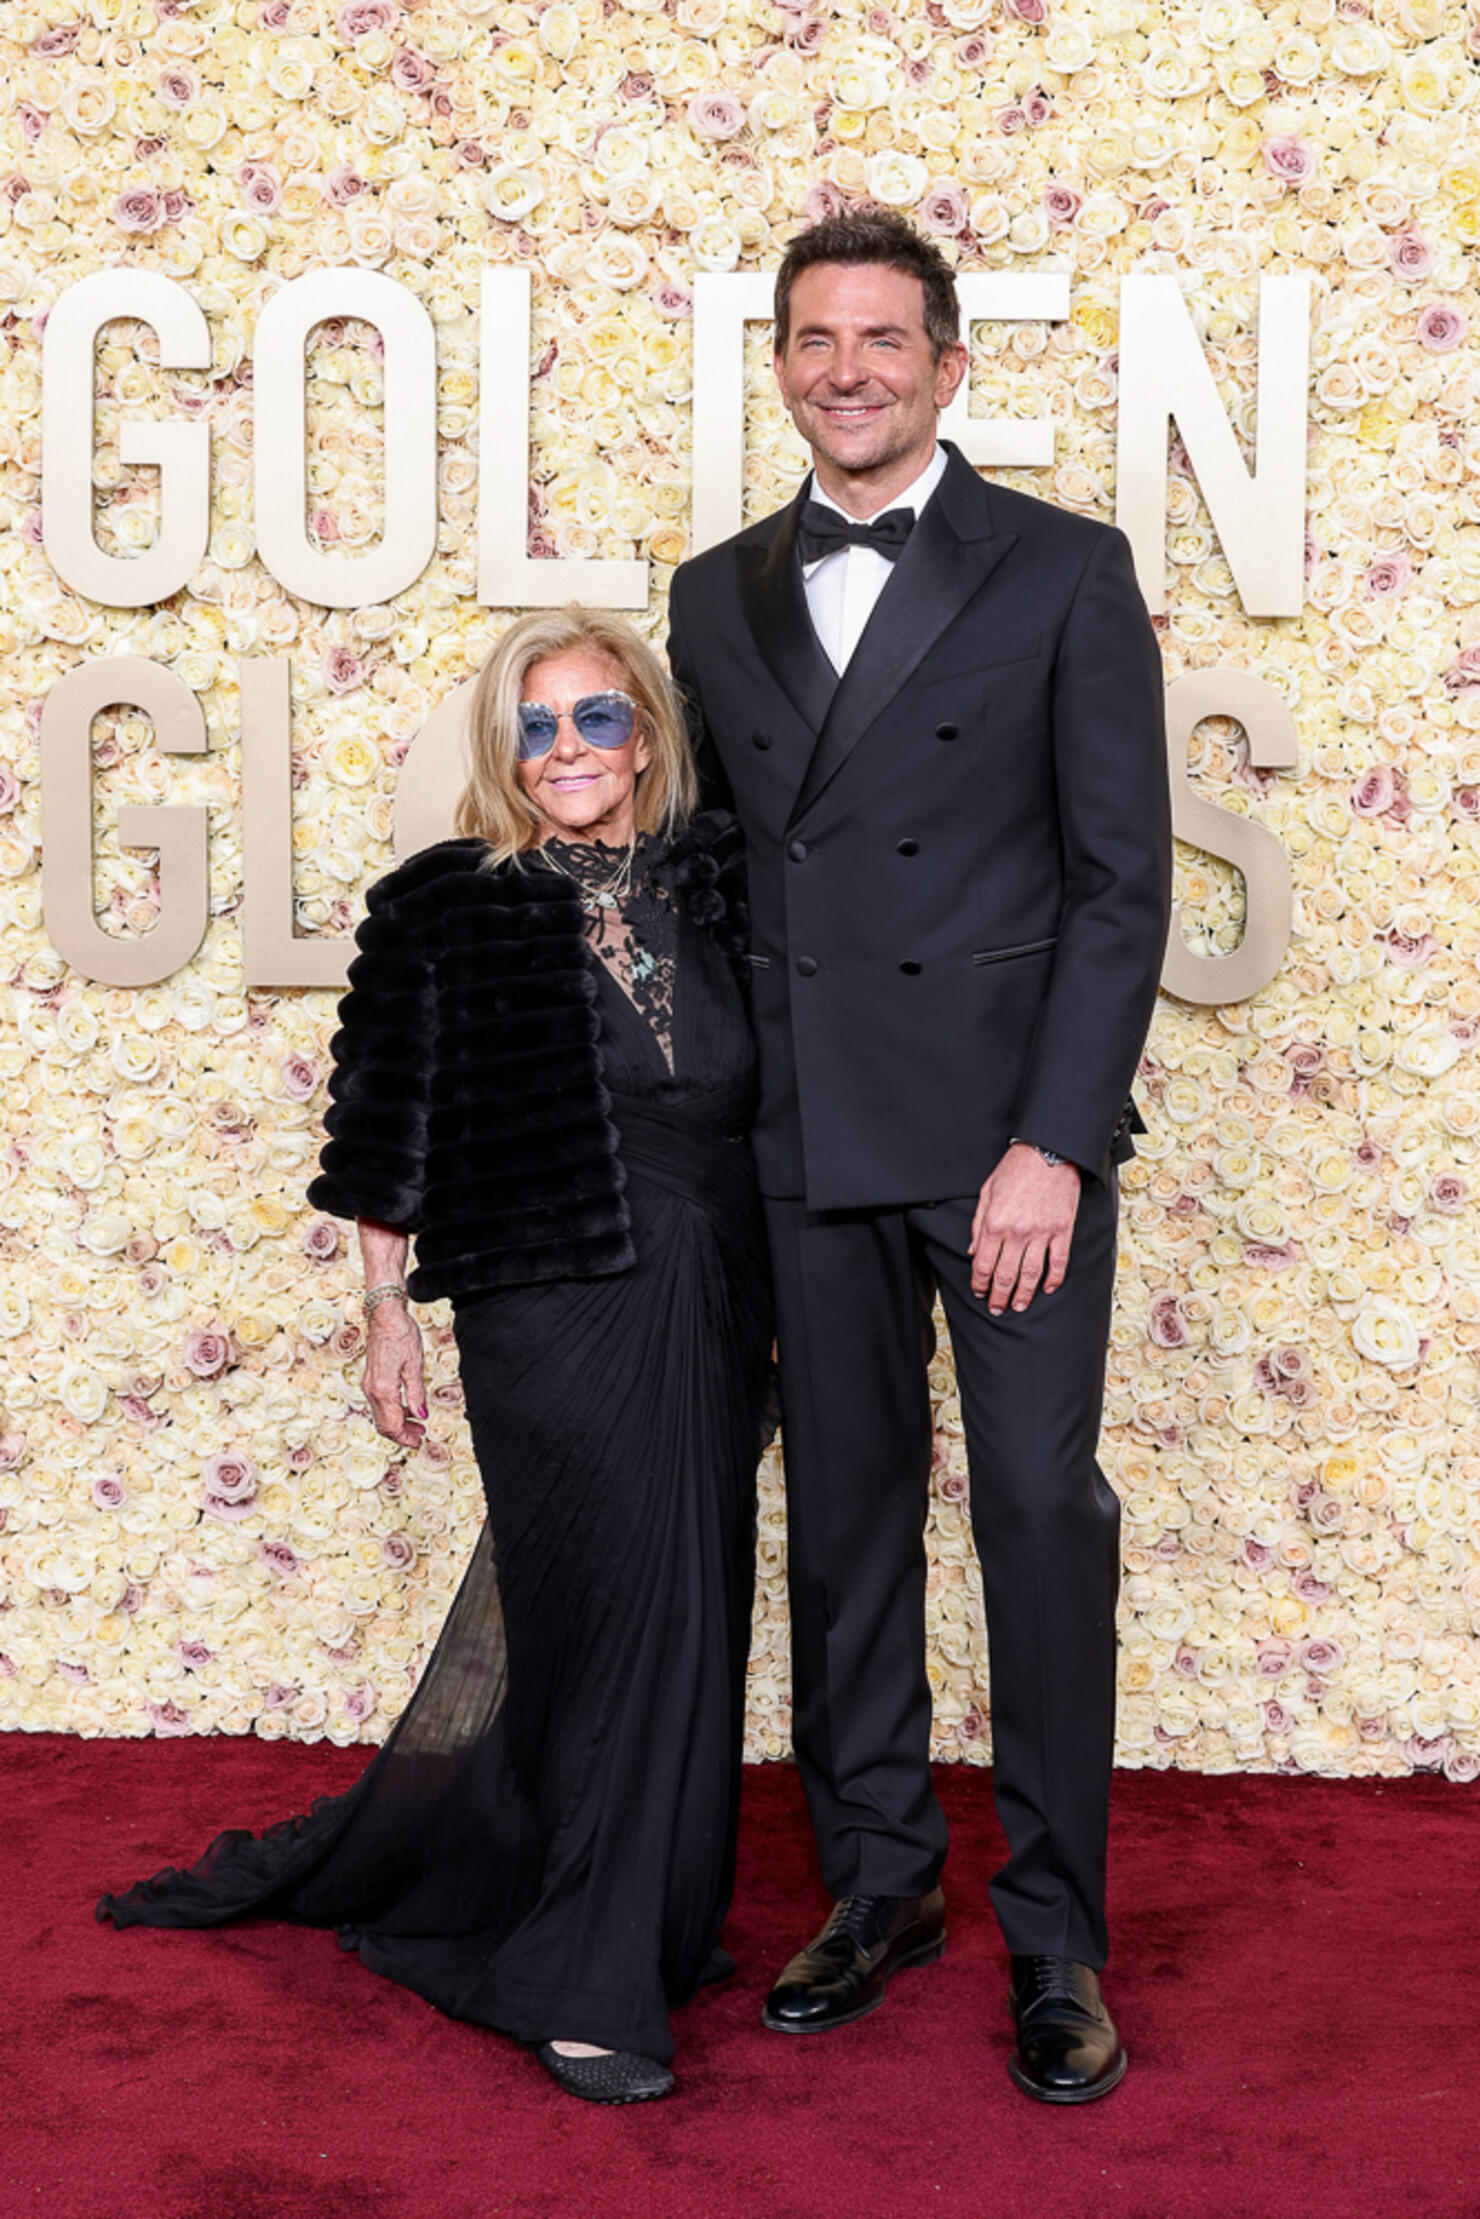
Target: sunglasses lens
[[537, 730], [604, 720]]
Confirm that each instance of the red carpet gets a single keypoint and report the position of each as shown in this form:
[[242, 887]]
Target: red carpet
[[1297, 1973]]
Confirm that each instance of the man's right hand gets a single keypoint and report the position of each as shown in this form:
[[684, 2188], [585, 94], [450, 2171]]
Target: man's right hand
[[395, 1374]]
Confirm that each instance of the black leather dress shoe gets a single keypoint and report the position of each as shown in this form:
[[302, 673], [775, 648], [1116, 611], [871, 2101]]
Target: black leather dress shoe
[[1067, 2048], [617, 2077], [844, 1973]]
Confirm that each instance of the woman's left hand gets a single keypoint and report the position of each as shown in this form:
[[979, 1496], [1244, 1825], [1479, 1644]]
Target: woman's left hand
[[395, 1375]]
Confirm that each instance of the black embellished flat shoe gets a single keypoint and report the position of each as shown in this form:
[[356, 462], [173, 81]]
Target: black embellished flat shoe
[[1067, 2048], [618, 2077]]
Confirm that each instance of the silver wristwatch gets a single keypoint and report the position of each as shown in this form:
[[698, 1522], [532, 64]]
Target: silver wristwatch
[[1050, 1155]]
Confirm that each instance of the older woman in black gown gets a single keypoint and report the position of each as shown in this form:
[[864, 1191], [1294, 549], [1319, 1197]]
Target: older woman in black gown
[[544, 1072]]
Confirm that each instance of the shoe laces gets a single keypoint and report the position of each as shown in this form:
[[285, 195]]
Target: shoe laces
[[856, 1915], [1056, 1979]]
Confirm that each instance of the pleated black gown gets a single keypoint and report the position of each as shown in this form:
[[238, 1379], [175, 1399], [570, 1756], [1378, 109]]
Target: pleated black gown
[[545, 1842]]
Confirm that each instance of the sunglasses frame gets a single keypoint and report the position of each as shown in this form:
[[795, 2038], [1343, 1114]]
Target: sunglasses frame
[[607, 693]]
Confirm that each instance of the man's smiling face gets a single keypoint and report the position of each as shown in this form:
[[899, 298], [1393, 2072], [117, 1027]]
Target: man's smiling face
[[859, 375]]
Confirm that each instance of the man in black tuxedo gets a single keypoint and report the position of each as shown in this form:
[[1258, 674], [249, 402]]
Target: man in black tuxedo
[[936, 707]]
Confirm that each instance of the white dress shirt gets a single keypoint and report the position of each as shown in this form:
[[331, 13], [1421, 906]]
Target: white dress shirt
[[842, 588]]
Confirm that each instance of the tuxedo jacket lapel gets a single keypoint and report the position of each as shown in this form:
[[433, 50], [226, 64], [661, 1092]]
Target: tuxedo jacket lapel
[[775, 603], [947, 559]]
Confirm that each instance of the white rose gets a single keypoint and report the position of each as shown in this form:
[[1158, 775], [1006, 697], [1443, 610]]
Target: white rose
[[1385, 1334], [897, 180]]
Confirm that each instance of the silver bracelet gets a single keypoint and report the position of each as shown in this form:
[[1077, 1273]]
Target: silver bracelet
[[391, 1291]]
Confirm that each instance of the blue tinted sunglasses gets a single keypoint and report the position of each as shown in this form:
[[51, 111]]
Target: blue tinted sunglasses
[[605, 720]]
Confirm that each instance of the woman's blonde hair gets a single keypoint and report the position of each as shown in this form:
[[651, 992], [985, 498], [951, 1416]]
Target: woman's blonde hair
[[494, 806]]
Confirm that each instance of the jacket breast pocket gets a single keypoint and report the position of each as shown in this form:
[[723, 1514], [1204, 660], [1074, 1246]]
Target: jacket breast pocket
[[1011, 955], [980, 661]]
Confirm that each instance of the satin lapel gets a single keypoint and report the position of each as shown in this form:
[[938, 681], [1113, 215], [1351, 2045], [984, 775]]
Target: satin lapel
[[947, 559], [775, 604]]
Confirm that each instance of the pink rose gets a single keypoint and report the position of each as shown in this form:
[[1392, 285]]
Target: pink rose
[[398, 1551], [1448, 1194], [1308, 1587], [1463, 671], [1389, 574], [262, 188], [193, 1654], [107, 1491], [321, 1240], [177, 87], [343, 671], [1165, 1326], [357, 17], [136, 1408], [324, 525], [273, 15], [412, 72], [1411, 256], [207, 1351], [278, 1557], [1037, 106], [279, 1696], [1269, 1258], [1277, 1720], [229, 1485], [1027, 11], [1441, 326], [1274, 1659], [10, 789], [300, 1077], [670, 298], [943, 209], [1321, 1656], [470, 153], [974, 50], [716, 115], [168, 1718], [139, 208], [1012, 120], [343, 185], [1373, 793], [1061, 204], [61, 39], [821, 201], [1290, 160], [33, 123], [359, 1702], [78, 1674], [1409, 953]]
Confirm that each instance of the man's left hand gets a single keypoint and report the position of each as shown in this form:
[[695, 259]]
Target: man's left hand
[[1022, 1229]]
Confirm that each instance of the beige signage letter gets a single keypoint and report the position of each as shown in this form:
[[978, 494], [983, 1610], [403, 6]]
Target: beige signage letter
[[1252, 849], [181, 451], [433, 773], [178, 833], [508, 576], [1258, 516], [272, 953], [280, 496]]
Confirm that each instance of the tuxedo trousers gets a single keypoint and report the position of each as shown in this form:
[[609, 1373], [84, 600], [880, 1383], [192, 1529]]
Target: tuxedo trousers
[[855, 1298]]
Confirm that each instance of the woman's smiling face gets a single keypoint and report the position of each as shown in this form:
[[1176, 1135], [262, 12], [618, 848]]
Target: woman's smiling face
[[581, 792]]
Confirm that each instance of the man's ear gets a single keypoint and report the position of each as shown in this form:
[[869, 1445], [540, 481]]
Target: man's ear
[[949, 372]]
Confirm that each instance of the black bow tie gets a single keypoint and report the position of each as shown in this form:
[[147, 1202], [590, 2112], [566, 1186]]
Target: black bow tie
[[823, 531]]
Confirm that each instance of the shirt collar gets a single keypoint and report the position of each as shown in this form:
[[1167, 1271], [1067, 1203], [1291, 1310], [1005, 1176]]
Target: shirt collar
[[913, 497]]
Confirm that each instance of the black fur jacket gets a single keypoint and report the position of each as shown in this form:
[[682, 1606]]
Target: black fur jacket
[[466, 1101]]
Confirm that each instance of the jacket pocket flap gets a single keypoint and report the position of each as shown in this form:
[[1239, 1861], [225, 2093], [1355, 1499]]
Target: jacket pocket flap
[[1026, 947]]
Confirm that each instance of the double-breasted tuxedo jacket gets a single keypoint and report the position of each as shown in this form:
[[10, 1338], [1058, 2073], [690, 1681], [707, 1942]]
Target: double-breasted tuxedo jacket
[[959, 853], [959, 879]]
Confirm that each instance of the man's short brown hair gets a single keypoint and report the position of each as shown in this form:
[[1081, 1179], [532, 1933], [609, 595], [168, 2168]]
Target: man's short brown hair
[[861, 235]]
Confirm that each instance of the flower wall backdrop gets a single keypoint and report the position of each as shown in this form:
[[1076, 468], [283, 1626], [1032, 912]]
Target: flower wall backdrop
[[198, 1527]]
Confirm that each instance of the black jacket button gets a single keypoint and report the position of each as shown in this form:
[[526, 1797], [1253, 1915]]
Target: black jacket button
[[947, 731], [798, 851], [911, 969], [908, 847], [760, 739], [808, 966]]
